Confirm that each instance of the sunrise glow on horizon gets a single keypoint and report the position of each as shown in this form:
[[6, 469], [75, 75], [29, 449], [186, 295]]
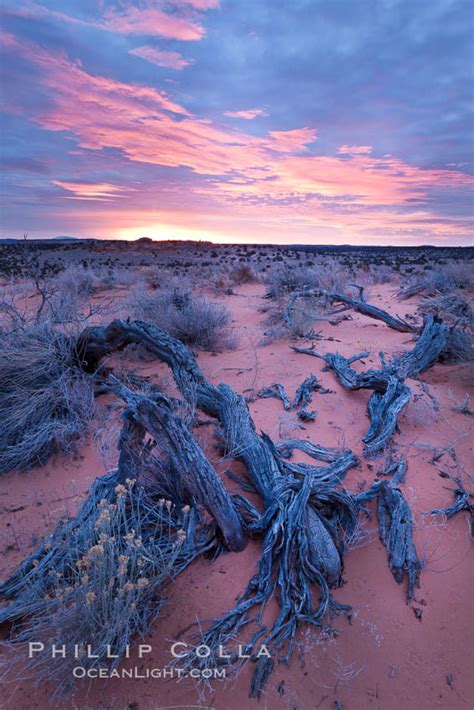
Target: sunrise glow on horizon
[[235, 121]]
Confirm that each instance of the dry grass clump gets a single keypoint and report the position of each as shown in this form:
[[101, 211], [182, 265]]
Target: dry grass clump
[[46, 402], [194, 319], [243, 274], [107, 590], [328, 276], [441, 280], [379, 274], [452, 308], [83, 281]]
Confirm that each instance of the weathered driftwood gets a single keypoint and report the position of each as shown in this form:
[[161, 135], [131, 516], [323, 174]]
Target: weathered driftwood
[[411, 363], [390, 393], [411, 290], [284, 569], [303, 395], [396, 528], [395, 468], [396, 532], [278, 391], [304, 525], [358, 305], [285, 448], [306, 415], [462, 501], [155, 414], [384, 410], [334, 473], [457, 347]]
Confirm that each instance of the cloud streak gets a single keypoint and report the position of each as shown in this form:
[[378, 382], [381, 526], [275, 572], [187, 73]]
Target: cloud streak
[[247, 114], [161, 57]]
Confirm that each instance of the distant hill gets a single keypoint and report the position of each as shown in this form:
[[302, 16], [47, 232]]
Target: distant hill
[[62, 238]]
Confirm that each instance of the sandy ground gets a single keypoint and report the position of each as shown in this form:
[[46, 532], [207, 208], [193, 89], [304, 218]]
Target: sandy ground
[[387, 658]]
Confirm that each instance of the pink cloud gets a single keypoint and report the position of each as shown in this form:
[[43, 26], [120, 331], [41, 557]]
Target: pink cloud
[[148, 19], [292, 141], [197, 4], [101, 192], [355, 149], [247, 114], [163, 58], [151, 21]]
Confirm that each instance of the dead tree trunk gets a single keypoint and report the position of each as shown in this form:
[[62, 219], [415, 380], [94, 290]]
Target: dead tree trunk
[[396, 528], [155, 415], [358, 305], [390, 393]]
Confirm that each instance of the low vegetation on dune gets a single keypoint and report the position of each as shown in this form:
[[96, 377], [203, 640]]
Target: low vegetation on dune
[[101, 576], [108, 588], [329, 276], [439, 280], [194, 319], [47, 403]]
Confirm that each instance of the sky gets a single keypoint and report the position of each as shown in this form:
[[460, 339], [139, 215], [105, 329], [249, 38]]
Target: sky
[[272, 121]]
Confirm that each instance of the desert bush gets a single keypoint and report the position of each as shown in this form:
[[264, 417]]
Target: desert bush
[[77, 278], [441, 280], [459, 347], [221, 285], [243, 274], [109, 590], [282, 280], [65, 303], [380, 274], [328, 276], [13, 306], [195, 320], [126, 277], [452, 308], [46, 402], [154, 277], [460, 273]]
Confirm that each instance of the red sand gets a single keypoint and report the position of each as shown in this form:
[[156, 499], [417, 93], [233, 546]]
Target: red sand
[[387, 659]]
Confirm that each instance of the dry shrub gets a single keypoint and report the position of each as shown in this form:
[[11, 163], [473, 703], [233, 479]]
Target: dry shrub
[[328, 276], [154, 277], [109, 590], [46, 402], [221, 285], [452, 308], [195, 320], [243, 274], [441, 280], [460, 274], [83, 281], [380, 274]]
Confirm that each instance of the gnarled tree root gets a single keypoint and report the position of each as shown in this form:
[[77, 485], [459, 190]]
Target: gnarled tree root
[[324, 510], [462, 501], [390, 393], [396, 528], [358, 305]]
